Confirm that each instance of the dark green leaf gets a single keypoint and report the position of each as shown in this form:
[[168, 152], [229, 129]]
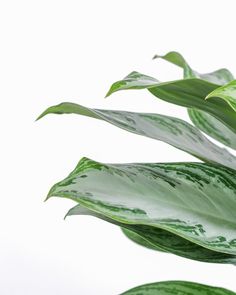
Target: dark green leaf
[[171, 130], [192, 200], [204, 121], [177, 288], [190, 93], [161, 240]]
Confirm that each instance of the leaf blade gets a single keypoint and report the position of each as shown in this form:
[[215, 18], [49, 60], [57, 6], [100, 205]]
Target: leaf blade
[[190, 93], [192, 200], [160, 240], [226, 92], [177, 287], [204, 121], [173, 131]]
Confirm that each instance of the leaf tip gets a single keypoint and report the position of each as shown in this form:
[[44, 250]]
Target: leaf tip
[[39, 117], [108, 93], [156, 56], [44, 113], [47, 197], [50, 194]]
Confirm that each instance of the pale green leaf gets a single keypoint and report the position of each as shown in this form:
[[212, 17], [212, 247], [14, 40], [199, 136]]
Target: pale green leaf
[[173, 131], [192, 200], [213, 127]]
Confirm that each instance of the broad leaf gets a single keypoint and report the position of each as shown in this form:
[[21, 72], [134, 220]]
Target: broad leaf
[[190, 93], [192, 200], [203, 120], [171, 130], [177, 287], [161, 240]]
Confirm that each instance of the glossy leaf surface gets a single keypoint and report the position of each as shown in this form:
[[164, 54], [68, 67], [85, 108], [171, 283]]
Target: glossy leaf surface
[[192, 200], [177, 288], [161, 240], [204, 121], [173, 131], [190, 93]]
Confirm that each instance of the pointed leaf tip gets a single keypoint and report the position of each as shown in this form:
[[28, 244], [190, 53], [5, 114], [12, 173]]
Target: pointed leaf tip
[[40, 116], [46, 112]]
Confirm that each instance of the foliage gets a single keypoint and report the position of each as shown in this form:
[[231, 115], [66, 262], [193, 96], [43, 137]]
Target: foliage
[[187, 209]]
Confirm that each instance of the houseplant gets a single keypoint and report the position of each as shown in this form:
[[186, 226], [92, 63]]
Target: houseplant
[[187, 209]]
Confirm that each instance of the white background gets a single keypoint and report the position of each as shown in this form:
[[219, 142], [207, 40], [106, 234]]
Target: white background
[[54, 51]]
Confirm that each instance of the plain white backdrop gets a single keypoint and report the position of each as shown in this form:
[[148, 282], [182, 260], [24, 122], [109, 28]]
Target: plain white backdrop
[[54, 51]]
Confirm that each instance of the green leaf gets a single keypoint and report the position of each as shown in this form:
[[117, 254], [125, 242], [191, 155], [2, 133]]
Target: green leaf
[[173, 131], [213, 127], [177, 287], [203, 120], [190, 93], [195, 201], [220, 77], [140, 240], [134, 80], [160, 240], [227, 93]]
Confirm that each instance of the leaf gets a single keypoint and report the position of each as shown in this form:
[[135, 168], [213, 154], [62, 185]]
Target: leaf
[[220, 77], [160, 240], [227, 93], [173, 131], [177, 288], [134, 80], [195, 201], [190, 93], [138, 239], [203, 120], [213, 127]]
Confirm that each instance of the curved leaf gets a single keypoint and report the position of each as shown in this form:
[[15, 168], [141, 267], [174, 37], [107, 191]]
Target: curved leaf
[[190, 93], [192, 200], [203, 120], [160, 240], [213, 127], [227, 93], [138, 239], [220, 77], [177, 288], [173, 131]]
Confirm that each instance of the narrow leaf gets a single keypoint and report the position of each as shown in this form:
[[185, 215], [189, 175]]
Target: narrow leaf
[[173, 131], [192, 200], [177, 287]]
